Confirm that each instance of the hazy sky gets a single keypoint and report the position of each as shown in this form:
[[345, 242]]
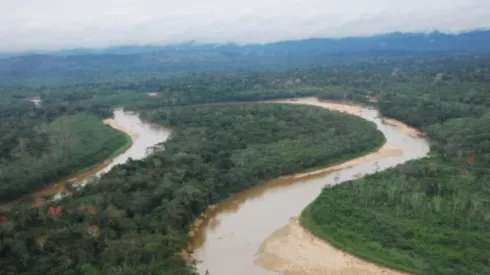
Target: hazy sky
[[54, 24]]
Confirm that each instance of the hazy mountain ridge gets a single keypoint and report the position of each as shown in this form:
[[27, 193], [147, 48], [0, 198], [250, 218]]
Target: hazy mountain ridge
[[403, 41], [88, 64]]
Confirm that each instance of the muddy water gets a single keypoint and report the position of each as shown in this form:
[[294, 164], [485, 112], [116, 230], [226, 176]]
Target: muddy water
[[231, 237], [144, 136]]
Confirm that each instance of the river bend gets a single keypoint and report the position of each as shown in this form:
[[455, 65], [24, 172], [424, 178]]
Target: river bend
[[232, 235]]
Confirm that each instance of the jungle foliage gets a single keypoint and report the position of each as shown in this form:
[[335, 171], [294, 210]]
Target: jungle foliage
[[428, 216], [135, 219], [36, 152]]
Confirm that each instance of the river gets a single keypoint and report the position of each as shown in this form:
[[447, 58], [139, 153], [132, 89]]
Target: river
[[240, 235], [144, 136]]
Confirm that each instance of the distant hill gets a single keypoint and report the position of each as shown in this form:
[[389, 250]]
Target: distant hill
[[435, 41], [91, 64]]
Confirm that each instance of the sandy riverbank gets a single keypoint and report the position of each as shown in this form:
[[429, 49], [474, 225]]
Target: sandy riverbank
[[292, 250]]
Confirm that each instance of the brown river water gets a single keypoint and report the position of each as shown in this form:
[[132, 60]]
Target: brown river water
[[256, 232]]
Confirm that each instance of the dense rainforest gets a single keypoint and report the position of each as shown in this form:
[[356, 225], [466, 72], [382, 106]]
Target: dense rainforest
[[40, 145], [427, 216], [135, 219]]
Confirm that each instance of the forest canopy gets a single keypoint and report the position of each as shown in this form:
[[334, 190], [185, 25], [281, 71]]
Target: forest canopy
[[428, 216], [135, 219], [41, 153]]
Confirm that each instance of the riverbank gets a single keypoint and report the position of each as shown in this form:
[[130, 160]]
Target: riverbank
[[293, 250], [215, 220], [349, 108], [60, 186], [91, 130], [387, 150], [234, 202], [404, 127]]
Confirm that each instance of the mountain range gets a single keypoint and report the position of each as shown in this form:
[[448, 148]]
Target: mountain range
[[89, 64]]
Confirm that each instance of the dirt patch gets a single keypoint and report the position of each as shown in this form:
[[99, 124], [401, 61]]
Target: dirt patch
[[292, 250]]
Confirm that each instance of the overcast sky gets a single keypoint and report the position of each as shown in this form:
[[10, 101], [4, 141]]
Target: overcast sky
[[55, 24]]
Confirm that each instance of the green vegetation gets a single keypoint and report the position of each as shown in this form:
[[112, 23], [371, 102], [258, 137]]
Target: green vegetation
[[425, 217], [429, 216], [136, 218], [36, 153]]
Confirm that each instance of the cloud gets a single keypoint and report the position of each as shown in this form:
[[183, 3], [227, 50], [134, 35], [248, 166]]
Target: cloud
[[56, 24]]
